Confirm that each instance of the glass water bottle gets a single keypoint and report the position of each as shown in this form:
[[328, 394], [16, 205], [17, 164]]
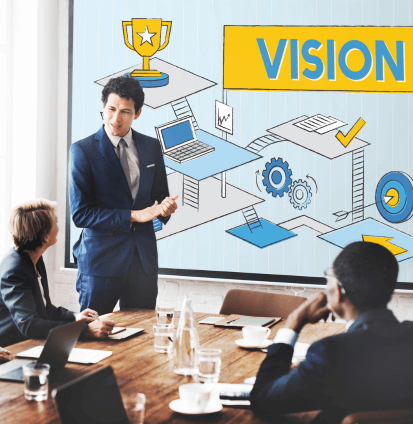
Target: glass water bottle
[[186, 342]]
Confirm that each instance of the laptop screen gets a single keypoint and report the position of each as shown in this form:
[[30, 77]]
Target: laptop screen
[[93, 399], [176, 134]]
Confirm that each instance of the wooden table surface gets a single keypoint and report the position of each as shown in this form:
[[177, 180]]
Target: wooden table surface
[[139, 368]]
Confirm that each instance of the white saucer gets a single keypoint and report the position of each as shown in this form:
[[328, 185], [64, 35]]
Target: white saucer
[[250, 380], [178, 406], [243, 343]]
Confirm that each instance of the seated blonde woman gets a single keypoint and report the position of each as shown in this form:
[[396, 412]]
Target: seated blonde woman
[[26, 311]]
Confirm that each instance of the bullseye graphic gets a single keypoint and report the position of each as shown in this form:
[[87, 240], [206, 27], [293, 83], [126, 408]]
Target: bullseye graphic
[[394, 197]]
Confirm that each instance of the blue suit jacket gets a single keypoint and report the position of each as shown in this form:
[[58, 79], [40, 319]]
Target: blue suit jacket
[[101, 203], [23, 314], [367, 368]]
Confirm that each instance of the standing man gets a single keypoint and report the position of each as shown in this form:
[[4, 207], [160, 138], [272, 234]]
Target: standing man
[[117, 186]]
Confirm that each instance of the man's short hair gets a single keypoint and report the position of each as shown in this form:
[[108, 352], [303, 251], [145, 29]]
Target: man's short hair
[[125, 87], [368, 272], [30, 223]]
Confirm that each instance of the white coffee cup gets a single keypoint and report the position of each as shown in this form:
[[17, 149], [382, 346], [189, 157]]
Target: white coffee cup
[[255, 335], [195, 396]]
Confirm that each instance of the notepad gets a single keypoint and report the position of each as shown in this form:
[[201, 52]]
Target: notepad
[[210, 320], [77, 356], [252, 321]]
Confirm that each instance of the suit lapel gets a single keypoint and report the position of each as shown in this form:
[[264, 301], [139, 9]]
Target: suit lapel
[[105, 147], [143, 160]]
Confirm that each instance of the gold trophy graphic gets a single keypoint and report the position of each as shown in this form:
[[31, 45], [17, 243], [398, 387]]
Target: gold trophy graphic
[[146, 42]]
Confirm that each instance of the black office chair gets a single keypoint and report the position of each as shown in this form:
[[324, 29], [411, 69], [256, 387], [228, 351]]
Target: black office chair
[[395, 416]]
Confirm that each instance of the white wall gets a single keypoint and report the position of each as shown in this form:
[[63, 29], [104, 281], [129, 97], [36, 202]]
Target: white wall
[[31, 128]]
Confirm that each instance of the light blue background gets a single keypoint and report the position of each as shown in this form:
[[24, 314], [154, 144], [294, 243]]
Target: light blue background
[[196, 44]]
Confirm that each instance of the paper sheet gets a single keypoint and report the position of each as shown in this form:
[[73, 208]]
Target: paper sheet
[[77, 356]]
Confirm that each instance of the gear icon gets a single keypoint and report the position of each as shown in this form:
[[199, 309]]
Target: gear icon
[[300, 194], [277, 177]]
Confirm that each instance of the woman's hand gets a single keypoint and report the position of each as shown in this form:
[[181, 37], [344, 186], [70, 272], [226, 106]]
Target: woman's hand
[[5, 355], [85, 315], [100, 328]]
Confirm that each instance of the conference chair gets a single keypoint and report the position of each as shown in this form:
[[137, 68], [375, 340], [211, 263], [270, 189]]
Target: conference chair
[[259, 304], [396, 416]]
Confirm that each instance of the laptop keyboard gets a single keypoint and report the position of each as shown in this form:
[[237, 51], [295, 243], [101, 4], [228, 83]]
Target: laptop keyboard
[[189, 151]]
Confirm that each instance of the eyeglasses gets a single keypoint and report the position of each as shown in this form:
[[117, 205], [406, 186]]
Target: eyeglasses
[[329, 275]]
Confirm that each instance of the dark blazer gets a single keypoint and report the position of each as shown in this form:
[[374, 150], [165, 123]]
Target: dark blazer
[[101, 203], [368, 368], [22, 311]]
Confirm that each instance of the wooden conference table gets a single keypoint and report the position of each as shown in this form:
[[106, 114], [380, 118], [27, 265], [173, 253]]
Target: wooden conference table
[[139, 368]]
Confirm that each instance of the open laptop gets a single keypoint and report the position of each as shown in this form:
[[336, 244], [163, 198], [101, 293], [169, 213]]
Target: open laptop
[[91, 399], [60, 342], [179, 142]]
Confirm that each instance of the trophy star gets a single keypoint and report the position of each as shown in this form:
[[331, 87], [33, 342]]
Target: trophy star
[[146, 36]]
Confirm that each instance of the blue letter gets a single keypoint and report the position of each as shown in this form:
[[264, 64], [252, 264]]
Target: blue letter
[[319, 70], [272, 68], [294, 59], [382, 53], [331, 60], [342, 60]]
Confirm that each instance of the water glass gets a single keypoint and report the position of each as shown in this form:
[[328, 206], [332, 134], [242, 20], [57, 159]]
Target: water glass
[[209, 364], [165, 314], [36, 381], [135, 407], [163, 337]]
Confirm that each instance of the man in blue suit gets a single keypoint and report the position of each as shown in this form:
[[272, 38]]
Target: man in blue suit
[[117, 186], [366, 368]]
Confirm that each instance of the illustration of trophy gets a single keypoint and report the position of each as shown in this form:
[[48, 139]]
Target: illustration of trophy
[[146, 42]]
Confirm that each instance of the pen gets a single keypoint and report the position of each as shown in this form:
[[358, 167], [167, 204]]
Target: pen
[[95, 316], [228, 322]]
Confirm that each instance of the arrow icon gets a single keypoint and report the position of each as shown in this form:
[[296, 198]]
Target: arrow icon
[[343, 215], [256, 180], [385, 241], [316, 188]]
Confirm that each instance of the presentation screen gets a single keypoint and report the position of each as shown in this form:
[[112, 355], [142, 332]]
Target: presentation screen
[[304, 109]]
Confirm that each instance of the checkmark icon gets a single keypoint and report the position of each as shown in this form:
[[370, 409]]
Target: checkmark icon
[[345, 140]]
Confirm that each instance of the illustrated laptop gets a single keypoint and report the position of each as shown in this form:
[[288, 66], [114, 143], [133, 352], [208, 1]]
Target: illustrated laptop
[[179, 142], [60, 342], [92, 399]]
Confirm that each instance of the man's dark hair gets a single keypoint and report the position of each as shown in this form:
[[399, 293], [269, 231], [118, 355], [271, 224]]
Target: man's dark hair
[[126, 87], [368, 272]]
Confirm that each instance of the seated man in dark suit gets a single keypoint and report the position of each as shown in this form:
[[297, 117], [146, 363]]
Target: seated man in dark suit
[[367, 368]]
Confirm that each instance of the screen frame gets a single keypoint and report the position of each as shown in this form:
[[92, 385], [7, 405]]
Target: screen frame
[[231, 277]]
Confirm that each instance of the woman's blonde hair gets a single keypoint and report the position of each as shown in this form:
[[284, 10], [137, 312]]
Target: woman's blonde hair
[[30, 223]]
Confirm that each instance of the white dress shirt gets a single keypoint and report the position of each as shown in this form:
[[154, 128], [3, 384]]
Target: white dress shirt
[[288, 336], [39, 279], [131, 153]]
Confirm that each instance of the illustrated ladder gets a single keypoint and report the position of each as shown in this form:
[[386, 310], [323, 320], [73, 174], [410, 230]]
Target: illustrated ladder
[[262, 142], [182, 110], [190, 192], [251, 217], [358, 185]]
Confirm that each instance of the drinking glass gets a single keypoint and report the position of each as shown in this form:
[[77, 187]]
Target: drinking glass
[[36, 381], [165, 314], [163, 337], [209, 364], [135, 407]]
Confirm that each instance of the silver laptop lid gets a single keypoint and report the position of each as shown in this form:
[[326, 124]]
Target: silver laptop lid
[[176, 134]]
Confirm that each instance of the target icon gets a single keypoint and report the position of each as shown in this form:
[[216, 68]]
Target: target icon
[[394, 197]]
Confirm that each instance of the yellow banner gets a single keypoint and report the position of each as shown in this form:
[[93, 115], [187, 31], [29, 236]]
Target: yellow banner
[[375, 59]]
